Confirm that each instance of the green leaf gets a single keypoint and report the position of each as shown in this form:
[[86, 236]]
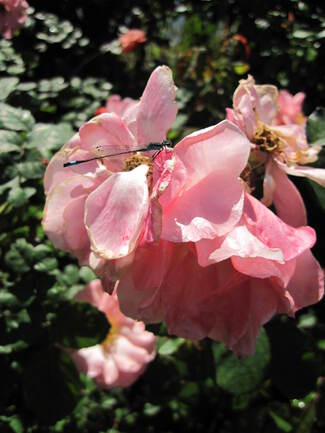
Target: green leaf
[[47, 265], [86, 274], [71, 275], [13, 347], [79, 324], [7, 85], [170, 346], [48, 138], [294, 369], [19, 196], [316, 126], [13, 422], [9, 141], [51, 384], [281, 423], [31, 169], [239, 376], [20, 256], [15, 119]]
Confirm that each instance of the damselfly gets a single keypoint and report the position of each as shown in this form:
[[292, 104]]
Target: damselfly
[[151, 146]]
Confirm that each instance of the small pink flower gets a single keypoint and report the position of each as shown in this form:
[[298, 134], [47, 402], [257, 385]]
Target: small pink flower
[[12, 16], [279, 147], [131, 39], [128, 348]]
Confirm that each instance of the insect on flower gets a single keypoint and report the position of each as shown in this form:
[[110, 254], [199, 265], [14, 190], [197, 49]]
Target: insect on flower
[[151, 146]]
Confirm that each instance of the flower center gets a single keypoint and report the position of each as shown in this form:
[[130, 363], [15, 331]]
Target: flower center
[[110, 337], [267, 140], [137, 159]]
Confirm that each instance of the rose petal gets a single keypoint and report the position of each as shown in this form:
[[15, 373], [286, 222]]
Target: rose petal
[[285, 196], [204, 198], [116, 211], [307, 284], [157, 109]]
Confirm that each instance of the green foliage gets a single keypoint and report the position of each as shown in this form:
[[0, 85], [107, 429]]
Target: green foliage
[[240, 376]]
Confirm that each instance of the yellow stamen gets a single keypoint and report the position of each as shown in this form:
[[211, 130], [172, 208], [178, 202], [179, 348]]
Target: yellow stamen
[[110, 337]]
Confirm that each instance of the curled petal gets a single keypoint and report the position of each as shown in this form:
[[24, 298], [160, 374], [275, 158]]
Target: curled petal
[[239, 243], [273, 232], [287, 200], [315, 174]]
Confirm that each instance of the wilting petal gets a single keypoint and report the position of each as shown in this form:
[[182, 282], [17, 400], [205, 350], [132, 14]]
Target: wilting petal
[[239, 243], [116, 211], [204, 197], [273, 232], [315, 174], [242, 309], [157, 109], [266, 104], [265, 268], [287, 200], [307, 284]]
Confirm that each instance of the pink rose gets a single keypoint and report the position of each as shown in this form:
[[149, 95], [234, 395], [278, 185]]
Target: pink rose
[[12, 16], [128, 348], [131, 39], [103, 209], [279, 147]]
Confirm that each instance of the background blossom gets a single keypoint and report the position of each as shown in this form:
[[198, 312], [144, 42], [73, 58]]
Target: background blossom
[[123, 356], [13, 14]]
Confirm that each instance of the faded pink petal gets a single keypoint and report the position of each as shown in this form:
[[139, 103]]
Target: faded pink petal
[[315, 174], [124, 354], [69, 195], [204, 197], [115, 213], [287, 200], [240, 243], [307, 284], [157, 109], [271, 230], [115, 104], [242, 309]]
